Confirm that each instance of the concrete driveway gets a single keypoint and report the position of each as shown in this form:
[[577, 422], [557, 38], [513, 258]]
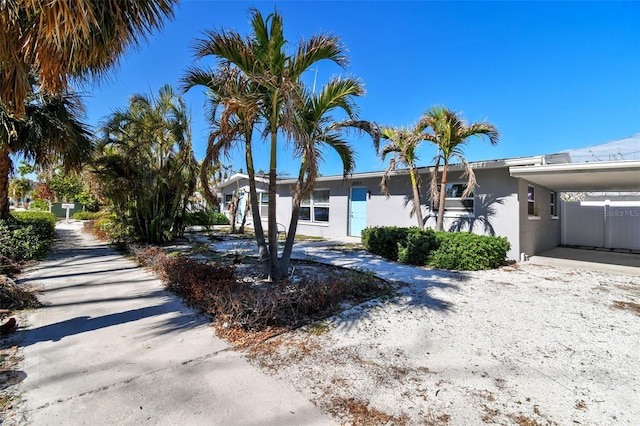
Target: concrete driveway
[[110, 346], [591, 260]]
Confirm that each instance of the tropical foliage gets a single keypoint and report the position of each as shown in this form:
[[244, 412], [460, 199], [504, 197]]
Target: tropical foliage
[[51, 132], [449, 132], [320, 130], [146, 165], [403, 145], [57, 40], [265, 88]]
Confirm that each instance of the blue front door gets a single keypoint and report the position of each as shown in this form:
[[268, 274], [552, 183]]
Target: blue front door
[[358, 213]]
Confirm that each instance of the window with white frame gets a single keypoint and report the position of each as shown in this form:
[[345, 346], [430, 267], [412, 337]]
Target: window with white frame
[[553, 204], [315, 206], [531, 201], [454, 203], [263, 201]]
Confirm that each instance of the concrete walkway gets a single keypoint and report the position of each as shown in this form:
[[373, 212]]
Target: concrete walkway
[[112, 347]]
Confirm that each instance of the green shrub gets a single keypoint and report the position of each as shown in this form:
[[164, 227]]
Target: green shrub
[[107, 228], [36, 216], [89, 215], [39, 205], [384, 240], [27, 235], [467, 251], [206, 218], [416, 247]]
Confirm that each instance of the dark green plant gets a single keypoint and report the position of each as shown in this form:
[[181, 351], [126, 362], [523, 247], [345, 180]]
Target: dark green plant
[[467, 251], [26, 235], [417, 246], [206, 218], [384, 240]]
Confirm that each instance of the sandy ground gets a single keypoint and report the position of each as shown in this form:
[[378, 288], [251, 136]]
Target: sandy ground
[[525, 344]]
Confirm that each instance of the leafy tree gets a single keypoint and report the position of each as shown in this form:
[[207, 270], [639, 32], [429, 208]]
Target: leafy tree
[[403, 144], [50, 132], [19, 187], [45, 43], [67, 187], [449, 132], [275, 78], [146, 165]]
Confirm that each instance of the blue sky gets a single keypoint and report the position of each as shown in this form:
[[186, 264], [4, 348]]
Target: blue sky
[[550, 75]]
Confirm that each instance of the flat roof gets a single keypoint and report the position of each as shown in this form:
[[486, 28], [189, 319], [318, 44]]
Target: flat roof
[[583, 177]]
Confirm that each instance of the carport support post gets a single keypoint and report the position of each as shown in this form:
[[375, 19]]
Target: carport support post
[[607, 243]]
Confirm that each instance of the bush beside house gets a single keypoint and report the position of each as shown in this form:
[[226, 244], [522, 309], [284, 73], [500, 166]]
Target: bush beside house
[[442, 250]]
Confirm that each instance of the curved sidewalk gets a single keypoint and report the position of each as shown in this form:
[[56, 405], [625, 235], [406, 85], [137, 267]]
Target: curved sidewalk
[[110, 346]]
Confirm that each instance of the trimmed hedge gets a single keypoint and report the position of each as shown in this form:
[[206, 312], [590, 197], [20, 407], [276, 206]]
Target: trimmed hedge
[[383, 240], [468, 252], [416, 247], [27, 235], [442, 250]]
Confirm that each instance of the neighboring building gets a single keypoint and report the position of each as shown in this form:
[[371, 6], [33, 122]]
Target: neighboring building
[[516, 198]]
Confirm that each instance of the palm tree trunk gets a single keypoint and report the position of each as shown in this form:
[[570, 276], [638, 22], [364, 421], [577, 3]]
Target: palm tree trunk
[[263, 253], [416, 197], [443, 196], [285, 260], [274, 269], [5, 169], [245, 213]]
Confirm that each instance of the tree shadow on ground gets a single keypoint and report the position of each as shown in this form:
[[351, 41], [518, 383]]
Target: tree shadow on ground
[[166, 320], [415, 287]]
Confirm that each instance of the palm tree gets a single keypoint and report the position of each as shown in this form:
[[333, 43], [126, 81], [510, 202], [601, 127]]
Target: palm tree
[[263, 58], [50, 132], [147, 167], [233, 114], [318, 129], [450, 133], [59, 39], [403, 144]]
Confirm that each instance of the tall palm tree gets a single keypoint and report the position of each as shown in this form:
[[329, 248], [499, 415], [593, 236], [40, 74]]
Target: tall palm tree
[[450, 133], [403, 144], [319, 129], [263, 58], [59, 39], [147, 167], [233, 113], [50, 132]]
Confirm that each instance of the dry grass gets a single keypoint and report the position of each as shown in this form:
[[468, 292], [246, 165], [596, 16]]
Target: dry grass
[[360, 413], [627, 306]]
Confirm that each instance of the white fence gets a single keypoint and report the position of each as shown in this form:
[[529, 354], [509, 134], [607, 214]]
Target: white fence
[[607, 224]]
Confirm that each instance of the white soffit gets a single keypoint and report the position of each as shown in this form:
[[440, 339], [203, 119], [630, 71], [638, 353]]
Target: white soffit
[[601, 176]]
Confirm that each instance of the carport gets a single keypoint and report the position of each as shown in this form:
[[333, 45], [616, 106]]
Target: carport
[[608, 225]]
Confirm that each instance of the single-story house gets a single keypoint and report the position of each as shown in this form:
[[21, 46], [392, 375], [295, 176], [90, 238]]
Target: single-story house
[[517, 198]]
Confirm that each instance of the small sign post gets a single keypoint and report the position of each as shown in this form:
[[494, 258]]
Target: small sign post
[[68, 206]]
